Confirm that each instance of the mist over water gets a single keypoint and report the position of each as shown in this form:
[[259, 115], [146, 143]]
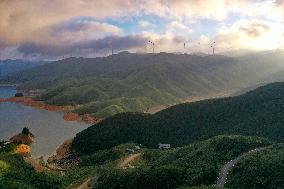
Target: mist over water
[[49, 128]]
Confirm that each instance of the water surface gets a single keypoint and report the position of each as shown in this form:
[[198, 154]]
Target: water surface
[[49, 128]]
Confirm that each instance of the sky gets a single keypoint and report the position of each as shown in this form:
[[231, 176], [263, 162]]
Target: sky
[[53, 29]]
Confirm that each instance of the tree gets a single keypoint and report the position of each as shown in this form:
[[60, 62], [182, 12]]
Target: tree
[[19, 95], [26, 131]]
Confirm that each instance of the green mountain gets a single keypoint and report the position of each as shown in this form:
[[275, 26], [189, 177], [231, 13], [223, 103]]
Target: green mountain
[[256, 113], [192, 165], [136, 82], [260, 170]]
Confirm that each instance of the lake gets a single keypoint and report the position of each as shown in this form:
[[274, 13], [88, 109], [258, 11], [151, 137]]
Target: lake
[[49, 128]]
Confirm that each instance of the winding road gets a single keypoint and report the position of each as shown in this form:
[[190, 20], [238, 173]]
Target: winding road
[[228, 166]]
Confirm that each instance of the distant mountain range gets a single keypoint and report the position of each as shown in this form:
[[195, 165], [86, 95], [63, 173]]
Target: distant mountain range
[[8, 66], [136, 82], [122, 150]]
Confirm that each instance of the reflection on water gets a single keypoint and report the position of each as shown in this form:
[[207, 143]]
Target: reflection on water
[[49, 128]]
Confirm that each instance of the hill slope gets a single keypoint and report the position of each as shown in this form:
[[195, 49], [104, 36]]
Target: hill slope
[[192, 165], [135, 82], [259, 113], [261, 170]]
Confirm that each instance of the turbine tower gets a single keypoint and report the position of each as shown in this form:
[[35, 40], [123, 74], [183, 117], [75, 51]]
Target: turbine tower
[[153, 45], [184, 45], [110, 44], [213, 47]]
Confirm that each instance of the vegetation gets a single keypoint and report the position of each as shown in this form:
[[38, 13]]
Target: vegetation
[[19, 95], [204, 135], [258, 113], [261, 170], [136, 82], [199, 187], [26, 131], [192, 165], [16, 174], [6, 147], [196, 164]]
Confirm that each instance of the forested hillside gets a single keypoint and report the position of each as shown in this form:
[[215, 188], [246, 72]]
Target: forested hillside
[[258, 113], [136, 82], [193, 165], [261, 170]]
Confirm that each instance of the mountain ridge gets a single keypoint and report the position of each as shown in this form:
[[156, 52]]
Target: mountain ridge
[[126, 82]]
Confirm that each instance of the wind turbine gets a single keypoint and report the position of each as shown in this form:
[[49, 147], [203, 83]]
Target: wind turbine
[[213, 47], [153, 45], [184, 45], [110, 47]]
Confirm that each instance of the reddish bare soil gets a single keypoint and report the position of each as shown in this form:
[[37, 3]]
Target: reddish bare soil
[[87, 118], [36, 164], [62, 151], [27, 101], [69, 116], [22, 139], [123, 164]]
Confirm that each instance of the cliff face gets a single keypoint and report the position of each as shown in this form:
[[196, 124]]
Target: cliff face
[[22, 139]]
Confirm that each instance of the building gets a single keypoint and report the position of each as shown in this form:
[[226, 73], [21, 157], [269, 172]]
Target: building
[[164, 146]]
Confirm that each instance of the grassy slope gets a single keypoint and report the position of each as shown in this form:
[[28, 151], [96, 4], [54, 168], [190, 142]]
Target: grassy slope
[[258, 113], [135, 82]]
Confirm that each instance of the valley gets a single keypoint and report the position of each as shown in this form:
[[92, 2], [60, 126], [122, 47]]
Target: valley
[[141, 94], [208, 121]]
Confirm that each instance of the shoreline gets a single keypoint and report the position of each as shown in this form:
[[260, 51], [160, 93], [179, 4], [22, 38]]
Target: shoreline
[[9, 85], [68, 114]]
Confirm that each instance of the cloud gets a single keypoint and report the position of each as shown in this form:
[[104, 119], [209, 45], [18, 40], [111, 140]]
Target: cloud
[[178, 29], [86, 48], [192, 9], [82, 27], [254, 30], [250, 34], [31, 20], [146, 24]]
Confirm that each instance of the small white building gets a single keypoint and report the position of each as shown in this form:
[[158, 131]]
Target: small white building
[[130, 150], [137, 147], [164, 146]]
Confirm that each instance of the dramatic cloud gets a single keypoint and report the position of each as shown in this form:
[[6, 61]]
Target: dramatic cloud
[[250, 34], [48, 29], [90, 48]]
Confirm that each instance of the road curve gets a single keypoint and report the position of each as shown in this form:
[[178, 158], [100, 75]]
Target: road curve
[[228, 166]]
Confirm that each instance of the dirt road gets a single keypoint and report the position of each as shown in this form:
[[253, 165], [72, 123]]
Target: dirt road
[[129, 159], [228, 166]]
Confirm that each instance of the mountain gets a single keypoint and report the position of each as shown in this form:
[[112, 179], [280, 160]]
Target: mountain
[[8, 66], [192, 165], [260, 170], [256, 113], [136, 82]]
